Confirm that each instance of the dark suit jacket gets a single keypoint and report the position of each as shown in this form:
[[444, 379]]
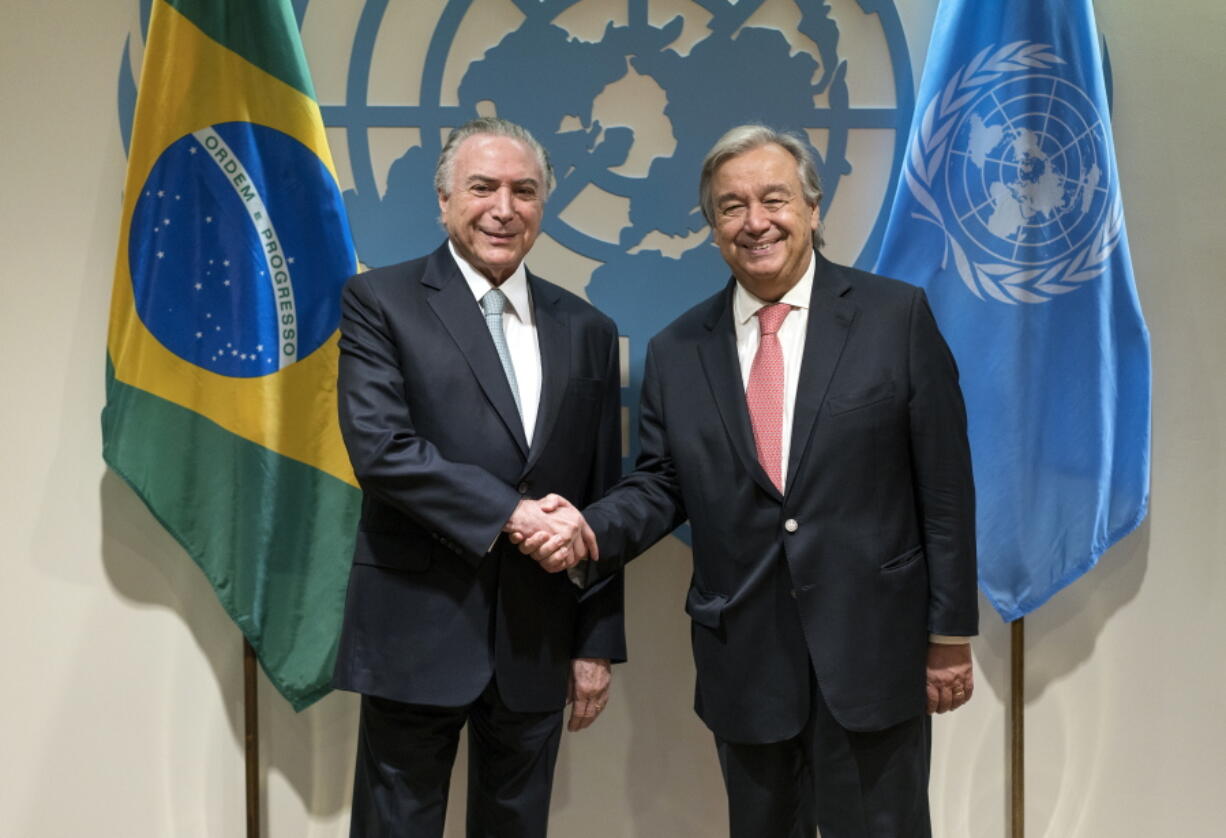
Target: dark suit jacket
[[439, 450], [872, 546]]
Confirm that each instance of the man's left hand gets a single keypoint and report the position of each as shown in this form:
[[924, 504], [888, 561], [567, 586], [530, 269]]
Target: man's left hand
[[589, 690], [951, 678]]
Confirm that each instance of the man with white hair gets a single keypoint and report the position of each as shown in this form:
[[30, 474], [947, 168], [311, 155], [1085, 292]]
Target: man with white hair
[[807, 421], [468, 386]]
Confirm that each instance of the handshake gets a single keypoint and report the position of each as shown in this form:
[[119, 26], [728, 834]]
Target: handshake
[[553, 532]]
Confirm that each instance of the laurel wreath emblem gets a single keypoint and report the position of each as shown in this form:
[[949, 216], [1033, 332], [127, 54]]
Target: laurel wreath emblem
[[1008, 283]]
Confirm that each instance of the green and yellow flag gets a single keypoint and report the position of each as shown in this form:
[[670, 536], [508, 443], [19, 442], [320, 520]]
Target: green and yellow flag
[[221, 367]]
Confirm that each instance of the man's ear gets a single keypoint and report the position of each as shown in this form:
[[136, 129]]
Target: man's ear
[[442, 209]]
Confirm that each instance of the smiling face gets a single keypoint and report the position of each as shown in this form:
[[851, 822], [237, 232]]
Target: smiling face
[[493, 214], [763, 226]]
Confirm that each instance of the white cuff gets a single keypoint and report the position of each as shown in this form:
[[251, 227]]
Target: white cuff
[[947, 639]]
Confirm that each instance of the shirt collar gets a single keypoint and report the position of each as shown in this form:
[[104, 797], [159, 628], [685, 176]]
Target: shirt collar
[[515, 286], [745, 305]]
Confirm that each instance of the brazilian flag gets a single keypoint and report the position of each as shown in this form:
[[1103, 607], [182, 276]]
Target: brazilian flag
[[221, 357]]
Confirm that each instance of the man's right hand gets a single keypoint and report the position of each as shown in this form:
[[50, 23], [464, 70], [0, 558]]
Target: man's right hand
[[553, 532]]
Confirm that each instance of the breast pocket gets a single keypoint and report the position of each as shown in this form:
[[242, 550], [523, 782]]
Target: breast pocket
[[849, 400]]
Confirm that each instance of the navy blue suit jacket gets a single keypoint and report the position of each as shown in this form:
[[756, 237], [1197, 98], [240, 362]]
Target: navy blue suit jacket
[[872, 545], [439, 450]]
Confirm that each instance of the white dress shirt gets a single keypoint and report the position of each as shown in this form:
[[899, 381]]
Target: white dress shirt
[[519, 325]]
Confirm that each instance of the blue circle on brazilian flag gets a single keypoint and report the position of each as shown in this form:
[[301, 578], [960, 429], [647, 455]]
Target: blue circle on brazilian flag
[[238, 250]]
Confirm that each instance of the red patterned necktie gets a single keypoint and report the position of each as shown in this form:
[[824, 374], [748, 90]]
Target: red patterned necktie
[[764, 394]]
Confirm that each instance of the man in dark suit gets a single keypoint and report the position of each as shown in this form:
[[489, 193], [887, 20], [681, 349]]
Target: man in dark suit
[[468, 387], [807, 420]]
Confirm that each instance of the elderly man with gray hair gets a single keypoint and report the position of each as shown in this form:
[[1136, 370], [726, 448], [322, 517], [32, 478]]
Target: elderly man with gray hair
[[468, 387], [807, 421]]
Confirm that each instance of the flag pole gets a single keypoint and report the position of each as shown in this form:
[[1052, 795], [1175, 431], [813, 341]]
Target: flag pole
[[251, 740], [1017, 718]]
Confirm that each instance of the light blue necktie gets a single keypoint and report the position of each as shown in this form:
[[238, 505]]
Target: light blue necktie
[[493, 304]]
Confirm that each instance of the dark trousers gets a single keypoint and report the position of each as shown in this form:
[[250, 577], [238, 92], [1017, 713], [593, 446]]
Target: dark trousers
[[845, 783], [405, 756]]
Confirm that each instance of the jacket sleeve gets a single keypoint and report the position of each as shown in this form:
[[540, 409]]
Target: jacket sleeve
[[460, 504], [600, 630], [646, 504], [945, 488]]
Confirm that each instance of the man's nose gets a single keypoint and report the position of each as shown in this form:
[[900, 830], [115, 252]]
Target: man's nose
[[757, 219], [502, 208]]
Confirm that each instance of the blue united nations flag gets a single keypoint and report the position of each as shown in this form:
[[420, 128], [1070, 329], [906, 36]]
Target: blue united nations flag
[[1009, 215]]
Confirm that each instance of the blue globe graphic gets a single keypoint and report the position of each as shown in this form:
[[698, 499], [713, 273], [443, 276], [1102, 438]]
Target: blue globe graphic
[[1030, 181]]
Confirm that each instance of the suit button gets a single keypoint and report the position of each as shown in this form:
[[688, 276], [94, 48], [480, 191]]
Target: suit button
[[793, 593], [523, 488], [790, 525]]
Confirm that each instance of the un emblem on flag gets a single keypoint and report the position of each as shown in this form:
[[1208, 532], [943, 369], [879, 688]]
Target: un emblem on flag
[[1011, 161]]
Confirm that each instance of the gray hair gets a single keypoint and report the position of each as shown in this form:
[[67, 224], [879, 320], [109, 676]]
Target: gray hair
[[745, 138], [492, 126]]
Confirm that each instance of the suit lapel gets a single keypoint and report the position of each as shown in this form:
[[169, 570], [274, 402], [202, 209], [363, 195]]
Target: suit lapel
[[830, 319], [723, 371], [461, 315], [553, 336]]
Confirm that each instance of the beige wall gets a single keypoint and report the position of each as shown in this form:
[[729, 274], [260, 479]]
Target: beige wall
[[121, 709]]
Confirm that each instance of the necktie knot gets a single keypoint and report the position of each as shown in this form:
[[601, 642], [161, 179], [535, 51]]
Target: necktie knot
[[770, 317], [494, 302]]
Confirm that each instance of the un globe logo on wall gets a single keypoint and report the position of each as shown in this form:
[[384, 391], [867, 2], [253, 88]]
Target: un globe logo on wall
[[543, 76]]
